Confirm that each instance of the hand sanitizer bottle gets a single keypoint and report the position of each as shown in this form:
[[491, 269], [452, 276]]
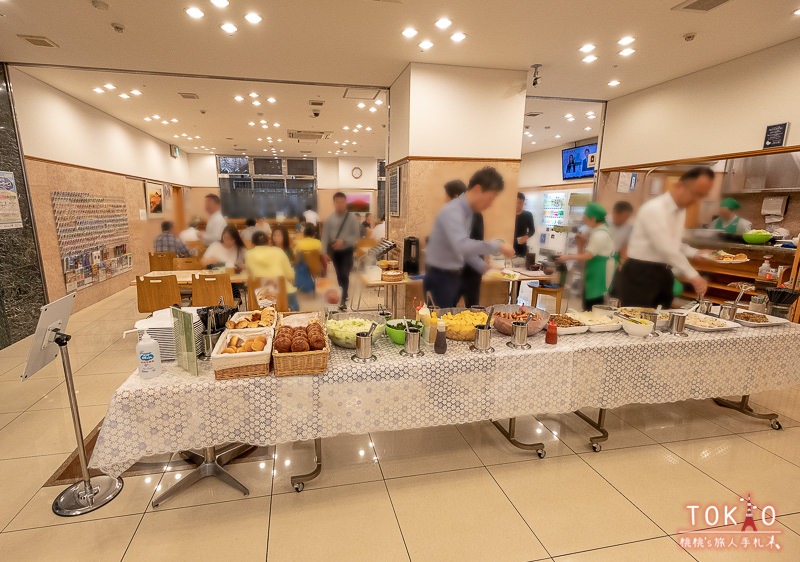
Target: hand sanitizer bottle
[[148, 355]]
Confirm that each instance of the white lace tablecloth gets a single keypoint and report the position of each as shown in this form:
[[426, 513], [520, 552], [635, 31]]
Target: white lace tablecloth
[[178, 411]]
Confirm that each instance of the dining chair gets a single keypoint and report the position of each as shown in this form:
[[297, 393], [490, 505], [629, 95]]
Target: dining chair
[[196, 248], [267, 291], [207, 290], [156, 293], [313, 261], [161, 261], [186, 264]]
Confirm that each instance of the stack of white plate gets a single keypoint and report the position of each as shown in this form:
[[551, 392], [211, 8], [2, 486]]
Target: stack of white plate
[[159, 327]]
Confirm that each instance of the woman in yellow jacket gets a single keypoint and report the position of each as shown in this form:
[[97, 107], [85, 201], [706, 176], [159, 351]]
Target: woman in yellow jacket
[[270, 262]]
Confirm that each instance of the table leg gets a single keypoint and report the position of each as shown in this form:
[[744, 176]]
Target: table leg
[[210, 466], [743, 407], [514, 292], [394, 302], [599, 425], [510, 433], [299, 481]]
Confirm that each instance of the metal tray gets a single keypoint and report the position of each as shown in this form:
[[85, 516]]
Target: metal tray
[[771, 321]]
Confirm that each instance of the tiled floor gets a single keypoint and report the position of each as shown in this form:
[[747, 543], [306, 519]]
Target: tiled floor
[[440, 494]]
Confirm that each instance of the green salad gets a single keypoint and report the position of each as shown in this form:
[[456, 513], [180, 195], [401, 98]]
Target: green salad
[[343, 332]]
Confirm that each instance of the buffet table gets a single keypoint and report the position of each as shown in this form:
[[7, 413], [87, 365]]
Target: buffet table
[[177, 411]]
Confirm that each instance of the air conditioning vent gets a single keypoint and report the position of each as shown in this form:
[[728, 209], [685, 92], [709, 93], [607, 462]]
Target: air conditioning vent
[[38, 40], [189, 95], [533, 114], [309, 135], [700, 5], [361, 93], [316, 103]]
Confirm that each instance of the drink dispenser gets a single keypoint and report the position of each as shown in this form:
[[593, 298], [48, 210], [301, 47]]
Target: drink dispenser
[[411, 255]]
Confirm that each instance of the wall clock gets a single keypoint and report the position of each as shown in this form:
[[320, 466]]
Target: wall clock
[[357, 172]]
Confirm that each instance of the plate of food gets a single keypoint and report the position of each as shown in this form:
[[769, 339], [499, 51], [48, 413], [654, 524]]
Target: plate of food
[[758, 320], [705, 323], [597, 322], [505, 314], [722, 256], [636, 312], [460, 323], [505, 274], [568, 325]]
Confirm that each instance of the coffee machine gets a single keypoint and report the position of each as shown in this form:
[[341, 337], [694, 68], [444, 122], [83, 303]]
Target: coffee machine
[[411, 255]]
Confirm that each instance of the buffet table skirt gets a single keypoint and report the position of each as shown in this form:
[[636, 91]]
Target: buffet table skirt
[[177, 411]]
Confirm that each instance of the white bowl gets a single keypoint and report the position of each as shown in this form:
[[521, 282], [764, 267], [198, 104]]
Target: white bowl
[[637, 330]]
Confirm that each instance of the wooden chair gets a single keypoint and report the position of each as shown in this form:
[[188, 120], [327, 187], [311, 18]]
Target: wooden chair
[[196, 248], [556, 292], [313, 261], [185, 264], [207, 289], [161, 261], [155, 293], [363, 246], [274, 287]]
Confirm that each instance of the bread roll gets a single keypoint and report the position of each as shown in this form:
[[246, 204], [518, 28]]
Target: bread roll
[[258, 345], [300, 344], [229, 350]]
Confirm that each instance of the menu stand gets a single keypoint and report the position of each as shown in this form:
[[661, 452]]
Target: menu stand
[[90, 493]]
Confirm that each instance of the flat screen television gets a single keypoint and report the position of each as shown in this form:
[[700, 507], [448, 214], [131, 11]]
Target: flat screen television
[[575, 162]]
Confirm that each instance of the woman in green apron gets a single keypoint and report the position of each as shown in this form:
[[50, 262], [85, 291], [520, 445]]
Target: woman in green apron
[[728, 220], [599, 264]]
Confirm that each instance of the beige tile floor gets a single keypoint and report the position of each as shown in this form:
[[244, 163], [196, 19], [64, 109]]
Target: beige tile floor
[[456, 493]]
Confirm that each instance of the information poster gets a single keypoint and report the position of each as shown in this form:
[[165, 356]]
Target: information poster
[[10, 216]]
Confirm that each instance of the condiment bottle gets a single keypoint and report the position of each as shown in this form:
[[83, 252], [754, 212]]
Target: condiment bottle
[[440, 346], [424, 316], [551, 336], [148, 354]]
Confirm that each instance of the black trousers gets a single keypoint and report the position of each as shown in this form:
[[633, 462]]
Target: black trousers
[[471, 286], [343, 265], [443, 285], [644, 283]]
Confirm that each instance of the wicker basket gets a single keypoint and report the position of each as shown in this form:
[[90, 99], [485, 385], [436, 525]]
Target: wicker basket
[[241, 365], [392, 277], [301, 362], [246, 315]]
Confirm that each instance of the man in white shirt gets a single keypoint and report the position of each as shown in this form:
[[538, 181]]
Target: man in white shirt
[[379, 230], [191, 234], [311, 216], [656, 247], [216, 222]]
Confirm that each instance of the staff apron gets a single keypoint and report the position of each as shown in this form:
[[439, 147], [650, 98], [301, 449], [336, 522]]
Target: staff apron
[[595, 271], [730, 228]]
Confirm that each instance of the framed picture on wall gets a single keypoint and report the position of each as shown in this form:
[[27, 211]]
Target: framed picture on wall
[[394, 192], [167, 201], [359, 202], [154, 199]]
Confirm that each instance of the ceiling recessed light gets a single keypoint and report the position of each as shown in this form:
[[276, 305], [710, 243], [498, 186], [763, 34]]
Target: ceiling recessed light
[[280, 140], [252, 123], [259, 139], [355, 130], [361, 105], [238, 98], [109, 86], [409, 32], [570, 119], [426, 44], [558, 136], [183, 134], [627, 52], [587, 128], [173, 120], [373, 109], [797, 12], [359, 126], [614, 83], [590, 113], [443, 23], [345, 128], [592, 116], [354, 142], [588, 48], [253, 95], [271, 100], [147, 119], [335, 142], [589, 58], [229, 28], [627, 40], [458, 36], [100, 90], [253, 17], [378, 102], [276, 124], [195, 13], [176, 136], [156, 117], [220, 3], [265, 126], [136, 92], [533, 142], [281, 150], [165, 122], [368, 129], [567, 115], [256, 103]]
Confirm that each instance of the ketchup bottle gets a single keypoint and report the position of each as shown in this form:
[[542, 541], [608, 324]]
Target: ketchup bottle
[[551, 336]]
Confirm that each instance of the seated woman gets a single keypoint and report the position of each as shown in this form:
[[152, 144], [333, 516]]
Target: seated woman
[[263, 261], [228, 252], [280, 239], [309, 243]]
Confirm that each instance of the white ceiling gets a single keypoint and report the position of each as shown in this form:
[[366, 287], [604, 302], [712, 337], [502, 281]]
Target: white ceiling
[[217, 117], [552, 121], [360, 41]]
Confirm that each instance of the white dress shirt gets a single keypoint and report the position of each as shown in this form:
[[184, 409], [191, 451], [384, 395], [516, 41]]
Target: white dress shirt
[[216, 224], [379, 232], [311, 217], [658, 236]]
